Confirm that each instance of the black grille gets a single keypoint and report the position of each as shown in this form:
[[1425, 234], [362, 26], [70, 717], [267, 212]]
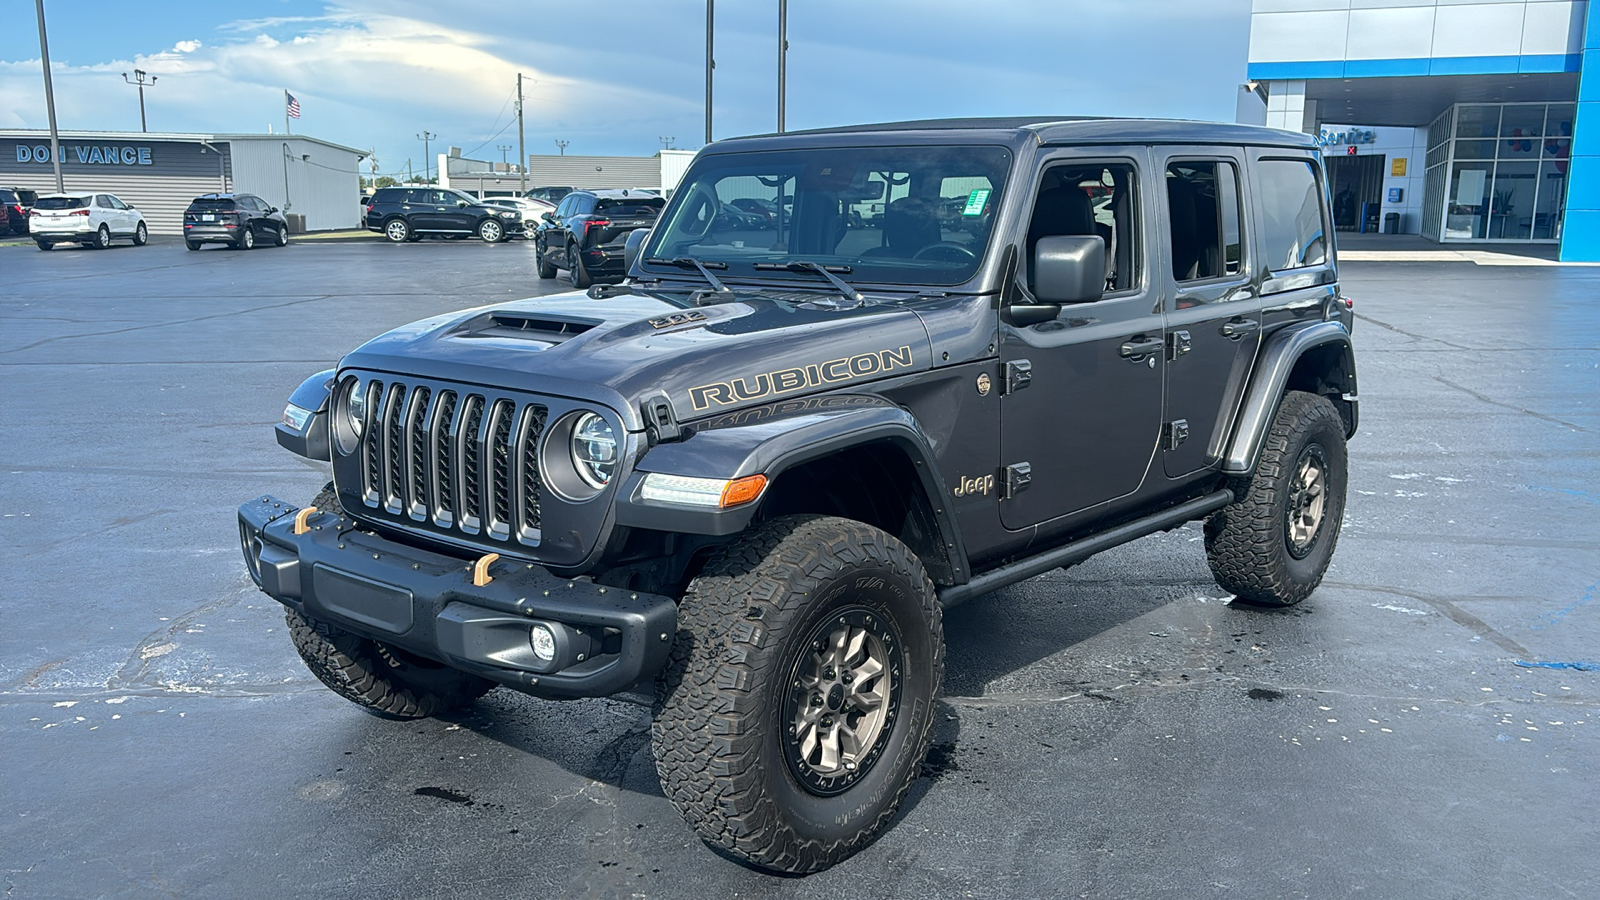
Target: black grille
[[459, 462]]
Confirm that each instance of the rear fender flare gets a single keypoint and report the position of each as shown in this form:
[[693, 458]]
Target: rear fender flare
[[1279, 356]]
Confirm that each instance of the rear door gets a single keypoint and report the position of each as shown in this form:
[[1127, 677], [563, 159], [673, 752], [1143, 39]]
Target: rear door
[[1213, 311], [1081, 394]]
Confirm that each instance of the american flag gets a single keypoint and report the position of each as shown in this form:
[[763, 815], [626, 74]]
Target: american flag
[[294, 105]]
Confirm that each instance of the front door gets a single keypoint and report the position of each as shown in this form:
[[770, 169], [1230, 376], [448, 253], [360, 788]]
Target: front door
[[1086, 422], [1213, 310]]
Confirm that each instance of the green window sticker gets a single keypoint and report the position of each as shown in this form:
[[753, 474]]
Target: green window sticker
[[976, 201]]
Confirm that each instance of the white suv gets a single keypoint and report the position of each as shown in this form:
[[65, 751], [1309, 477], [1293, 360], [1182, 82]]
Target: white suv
[[90, 219]]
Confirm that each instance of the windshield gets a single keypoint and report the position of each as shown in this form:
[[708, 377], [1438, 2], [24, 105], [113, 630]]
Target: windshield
[[918, 215]]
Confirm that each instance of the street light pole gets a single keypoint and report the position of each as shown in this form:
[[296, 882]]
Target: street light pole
[[138, 78], [50, 99], [522, 144], [562, 146], [425, 137], [783, 54]]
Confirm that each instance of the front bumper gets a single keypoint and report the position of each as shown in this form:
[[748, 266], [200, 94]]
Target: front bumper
[[608, 638]]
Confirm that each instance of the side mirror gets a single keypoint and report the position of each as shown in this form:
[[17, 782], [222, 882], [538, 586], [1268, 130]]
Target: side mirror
[[461, 204], [632, 246], [1069, 268], [272, 209], [548, 217]]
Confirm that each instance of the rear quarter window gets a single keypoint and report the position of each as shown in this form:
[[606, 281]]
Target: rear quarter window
[[1292, 234]]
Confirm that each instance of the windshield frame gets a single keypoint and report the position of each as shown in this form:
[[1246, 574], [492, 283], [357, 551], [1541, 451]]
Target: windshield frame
[[897, 273]]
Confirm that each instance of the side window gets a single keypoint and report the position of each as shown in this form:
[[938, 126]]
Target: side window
[[1203, 209], [116, 203], [564, 208], [1090, 199], [1292, 236], [101, 201]]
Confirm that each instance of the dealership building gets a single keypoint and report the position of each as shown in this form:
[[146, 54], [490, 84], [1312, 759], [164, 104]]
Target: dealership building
[[1459, 120], [315, 182]]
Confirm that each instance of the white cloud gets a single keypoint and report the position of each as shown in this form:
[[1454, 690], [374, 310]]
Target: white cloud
[[187, 46]]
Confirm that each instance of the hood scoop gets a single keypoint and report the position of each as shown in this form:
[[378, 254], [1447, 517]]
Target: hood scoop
[[527, 326]]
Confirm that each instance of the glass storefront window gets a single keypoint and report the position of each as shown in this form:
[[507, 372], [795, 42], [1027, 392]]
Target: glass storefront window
[[1522, 120], [1558, 121], [1475, 149], [1467, 204], [1511, 201], [1552, 199], [1477, 121]]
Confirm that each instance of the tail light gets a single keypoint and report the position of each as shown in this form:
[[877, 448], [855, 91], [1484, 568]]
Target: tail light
[[595, 223], [79, 212]]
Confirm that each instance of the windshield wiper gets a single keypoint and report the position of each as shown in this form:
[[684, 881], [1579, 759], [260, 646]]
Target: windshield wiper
[[687, 262], [807, 265]]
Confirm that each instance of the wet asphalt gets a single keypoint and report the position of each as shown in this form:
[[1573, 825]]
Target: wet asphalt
[[1116, 730]]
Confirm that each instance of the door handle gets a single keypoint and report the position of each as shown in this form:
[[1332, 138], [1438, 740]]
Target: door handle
[[1234, 329], [1139, 347]]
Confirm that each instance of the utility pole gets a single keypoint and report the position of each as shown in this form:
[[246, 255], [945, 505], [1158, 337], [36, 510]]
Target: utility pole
[[425, 137], [783, 54], [522, 143], [50, 99], [138, 78], [711, 62], [562, 146]]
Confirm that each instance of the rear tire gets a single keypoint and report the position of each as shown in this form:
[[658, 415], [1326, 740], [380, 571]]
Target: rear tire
[[490, 231], [246, 239], [1272, 545], [44, 245], [102, 238], [398, 231], [580, 275], [387, 681], [192, 245], [797, 705]]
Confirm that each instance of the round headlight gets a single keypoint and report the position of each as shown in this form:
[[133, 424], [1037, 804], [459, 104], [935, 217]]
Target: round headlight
[[356, 408], [594, 450]]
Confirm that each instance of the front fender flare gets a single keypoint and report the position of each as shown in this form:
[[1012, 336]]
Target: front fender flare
[[772, 439], [1283, 349], [312, 441]]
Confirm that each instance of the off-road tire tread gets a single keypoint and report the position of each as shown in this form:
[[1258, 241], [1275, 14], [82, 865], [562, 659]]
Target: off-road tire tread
[[707, 734], [354, 668], [1244, 541]]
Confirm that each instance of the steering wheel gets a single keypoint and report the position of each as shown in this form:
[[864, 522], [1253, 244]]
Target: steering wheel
[[949, 251]]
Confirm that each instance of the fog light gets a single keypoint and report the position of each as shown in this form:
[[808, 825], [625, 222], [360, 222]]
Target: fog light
[[543, 641]]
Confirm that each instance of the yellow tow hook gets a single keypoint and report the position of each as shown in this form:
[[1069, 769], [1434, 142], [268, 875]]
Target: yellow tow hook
[[480, 569], [300, 526]]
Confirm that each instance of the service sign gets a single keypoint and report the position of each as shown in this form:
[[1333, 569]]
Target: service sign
[[88, 154]]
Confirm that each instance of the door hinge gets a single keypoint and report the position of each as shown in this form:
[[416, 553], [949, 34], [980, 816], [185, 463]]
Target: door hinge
[[1174, 434], [660, 423], [1018, 477], [1178, 344], [1019, 374]]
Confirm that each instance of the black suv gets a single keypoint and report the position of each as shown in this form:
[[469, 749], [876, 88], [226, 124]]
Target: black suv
[[238, 220], [405, 213], [17, 201], [586, 233], [551, 195], [749, 481]]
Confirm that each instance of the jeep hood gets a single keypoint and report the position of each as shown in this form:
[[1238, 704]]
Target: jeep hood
[[618, 351]]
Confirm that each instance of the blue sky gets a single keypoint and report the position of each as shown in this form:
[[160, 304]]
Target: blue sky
[[611, 76]]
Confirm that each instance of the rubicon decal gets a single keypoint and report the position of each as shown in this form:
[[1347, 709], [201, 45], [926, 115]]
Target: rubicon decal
[[783, 381]]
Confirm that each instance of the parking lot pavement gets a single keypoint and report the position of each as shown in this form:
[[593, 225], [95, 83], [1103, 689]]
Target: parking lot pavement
[[1115, 730]]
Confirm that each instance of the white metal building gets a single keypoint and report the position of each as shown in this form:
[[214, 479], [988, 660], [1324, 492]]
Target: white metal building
[[160, 173], [481, 178]]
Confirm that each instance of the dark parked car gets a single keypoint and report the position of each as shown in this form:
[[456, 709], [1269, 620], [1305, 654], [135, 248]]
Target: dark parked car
[[14, 205], [238, 220], [586, 233], [404, 213], [550, 195]]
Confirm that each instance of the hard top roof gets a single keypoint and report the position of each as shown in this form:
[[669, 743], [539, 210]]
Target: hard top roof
[[1065, 130], [621, 193], [77, 195]]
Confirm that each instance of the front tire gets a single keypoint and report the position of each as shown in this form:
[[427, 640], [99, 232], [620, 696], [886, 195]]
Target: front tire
[[1272, 545], [547, 269], [387, 681], [797, 705], [281, 237], [141, 235]]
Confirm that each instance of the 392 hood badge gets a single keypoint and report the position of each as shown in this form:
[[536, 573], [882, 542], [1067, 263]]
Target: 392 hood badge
[[984, 384]]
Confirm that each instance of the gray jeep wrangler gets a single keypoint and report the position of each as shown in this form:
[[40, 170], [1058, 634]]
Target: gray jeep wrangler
[[856, 376]]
